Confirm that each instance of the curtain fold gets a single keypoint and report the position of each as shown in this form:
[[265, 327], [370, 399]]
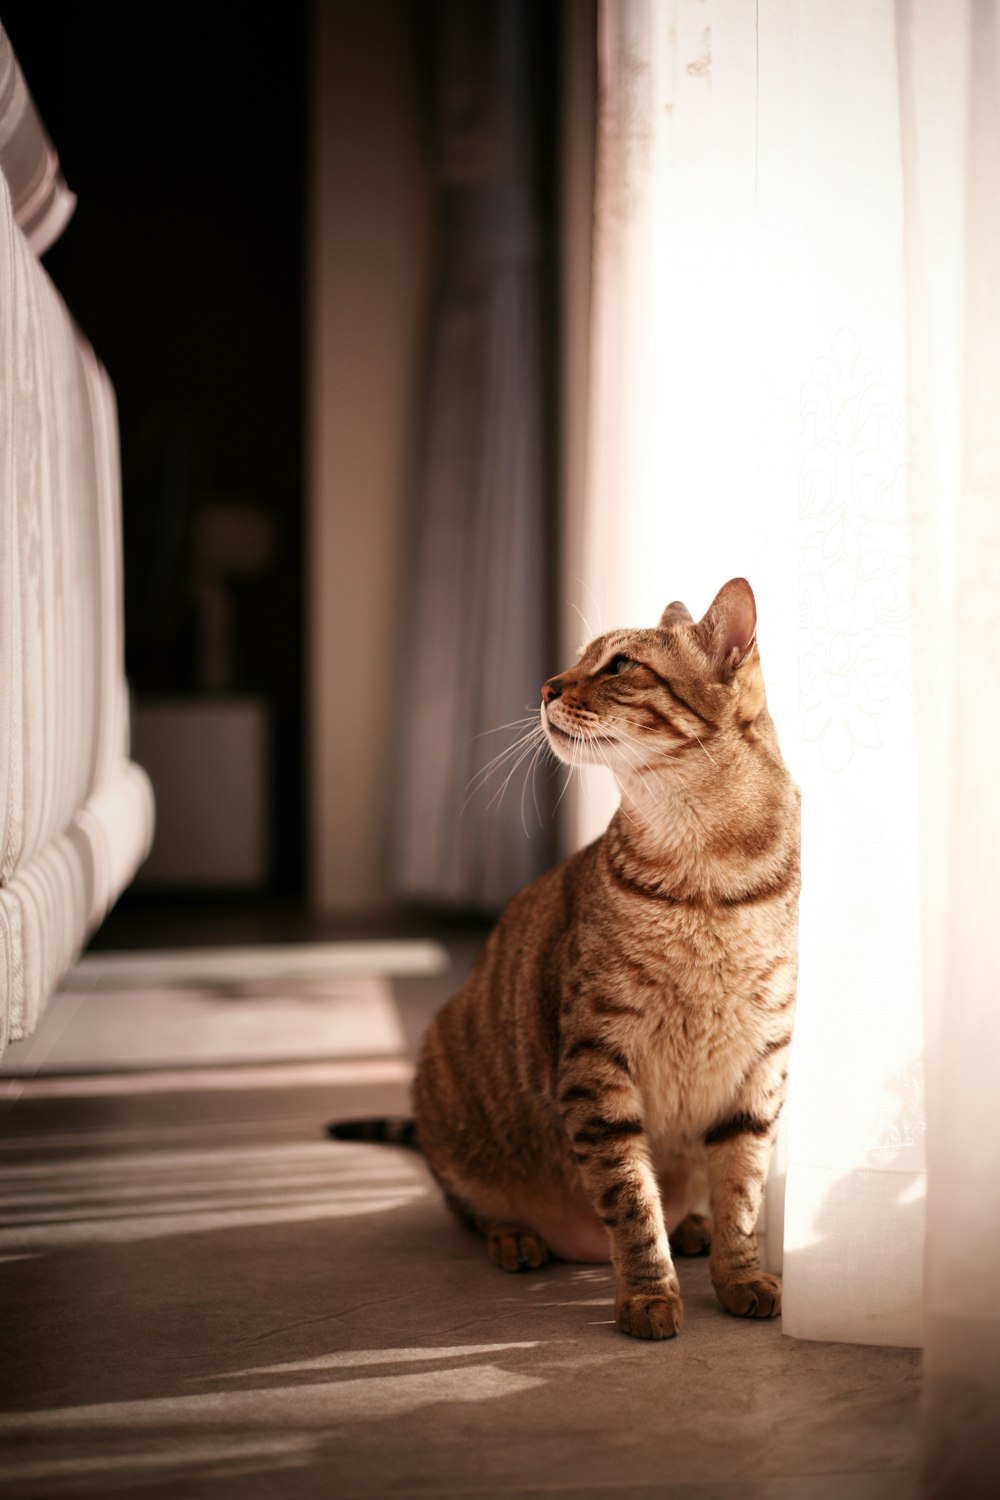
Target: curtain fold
[[795, 377], [949, 63], [477, 643]]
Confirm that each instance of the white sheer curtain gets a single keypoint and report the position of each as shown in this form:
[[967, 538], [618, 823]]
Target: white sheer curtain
[[794, 376]]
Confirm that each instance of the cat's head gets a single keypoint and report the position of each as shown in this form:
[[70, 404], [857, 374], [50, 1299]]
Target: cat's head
[[640, 699]]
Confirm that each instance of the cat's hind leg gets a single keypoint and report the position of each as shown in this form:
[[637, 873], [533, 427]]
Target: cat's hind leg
[[692, 1236], [512, 1247]]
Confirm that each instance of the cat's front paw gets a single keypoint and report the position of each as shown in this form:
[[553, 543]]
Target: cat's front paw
[[650, 1315], [750, 1294]]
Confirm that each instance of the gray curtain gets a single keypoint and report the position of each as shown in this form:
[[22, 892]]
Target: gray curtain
[[477, 642]]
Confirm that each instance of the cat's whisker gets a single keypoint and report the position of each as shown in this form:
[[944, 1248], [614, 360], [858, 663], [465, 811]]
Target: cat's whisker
[[530, 777], [528, 718], [524, 746], [660, 795], [544, 750], [528, 732], [480, 783], [585, 786], [567, 778], [529, 780], [597, 606], [514, 753], [532, 744], [654, 790], [637, 724], [621, 805], [711, 758], [583, 621], [496, 761], [603, 755], [627, 750]]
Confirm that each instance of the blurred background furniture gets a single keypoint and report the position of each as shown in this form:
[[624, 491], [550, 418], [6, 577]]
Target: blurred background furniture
[[76, 813]]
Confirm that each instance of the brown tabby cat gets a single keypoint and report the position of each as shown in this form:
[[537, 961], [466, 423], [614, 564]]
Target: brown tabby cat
[[621, 1044]]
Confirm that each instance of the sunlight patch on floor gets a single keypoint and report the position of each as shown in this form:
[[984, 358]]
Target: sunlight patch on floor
[[181, 1025], [197, 1008], [245, 1456], [373, 1398], [150, 1195], [355, 1359]]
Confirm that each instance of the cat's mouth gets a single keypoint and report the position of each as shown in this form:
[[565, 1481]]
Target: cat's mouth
[[577, 743], [579, 738]]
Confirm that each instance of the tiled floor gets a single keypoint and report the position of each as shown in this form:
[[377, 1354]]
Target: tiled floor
[[202, 1296]]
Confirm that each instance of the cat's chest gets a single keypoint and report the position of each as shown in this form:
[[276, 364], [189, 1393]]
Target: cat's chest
[[684, 979], [691, 1034], [688, 1060]]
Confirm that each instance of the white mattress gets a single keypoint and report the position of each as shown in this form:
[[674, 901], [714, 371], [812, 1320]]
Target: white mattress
[[76, 815], [43, 204]]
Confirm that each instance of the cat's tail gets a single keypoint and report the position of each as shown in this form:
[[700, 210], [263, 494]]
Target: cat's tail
[[389, 1130]]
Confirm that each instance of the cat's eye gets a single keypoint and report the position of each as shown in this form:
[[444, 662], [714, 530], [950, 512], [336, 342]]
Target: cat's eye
[[620, 664]]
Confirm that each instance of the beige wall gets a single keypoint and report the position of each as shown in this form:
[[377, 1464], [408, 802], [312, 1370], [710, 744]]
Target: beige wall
[[368, 282]]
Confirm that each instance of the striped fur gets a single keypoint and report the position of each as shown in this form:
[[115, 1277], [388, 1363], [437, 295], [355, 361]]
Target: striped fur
[[618, 1054]]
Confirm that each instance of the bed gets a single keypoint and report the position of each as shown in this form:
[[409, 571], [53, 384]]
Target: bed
[[76, 813]]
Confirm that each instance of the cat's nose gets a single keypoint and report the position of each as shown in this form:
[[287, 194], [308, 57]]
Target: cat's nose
[[550, 690]]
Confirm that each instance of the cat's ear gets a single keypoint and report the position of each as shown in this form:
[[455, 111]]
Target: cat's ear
[[730, 627], [675, 614]]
